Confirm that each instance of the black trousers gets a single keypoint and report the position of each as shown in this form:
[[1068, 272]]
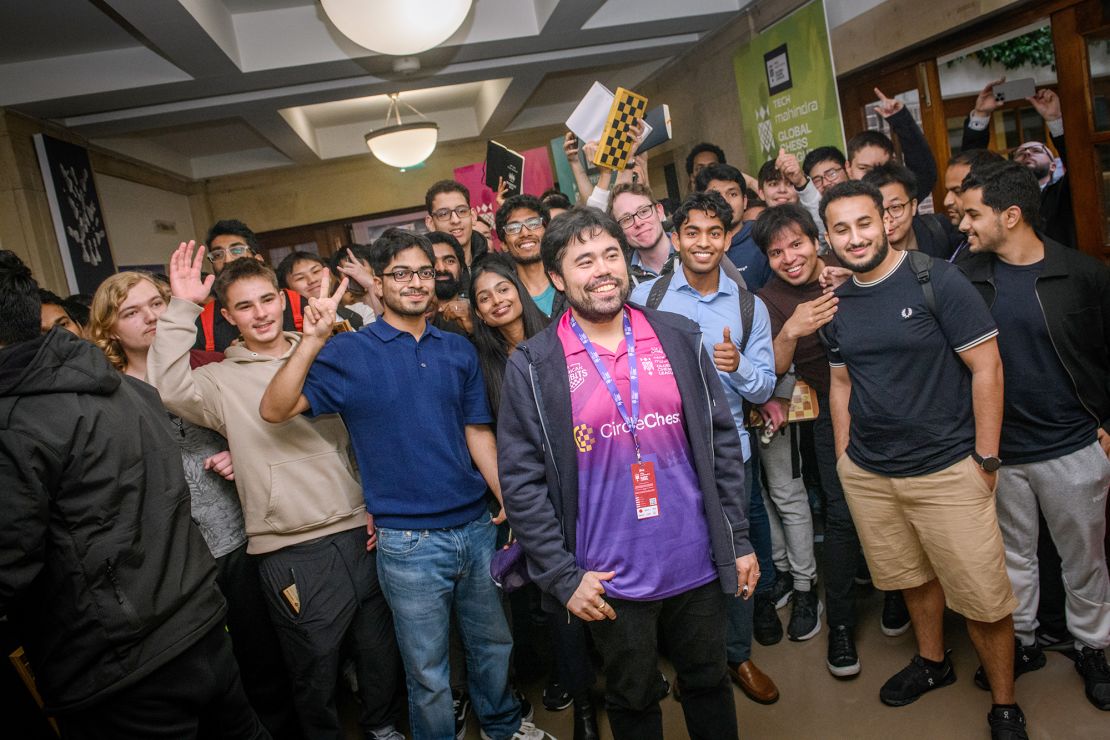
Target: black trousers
[[691, 628], [842, 554], [198, 694], [255, 643], [341, 605]]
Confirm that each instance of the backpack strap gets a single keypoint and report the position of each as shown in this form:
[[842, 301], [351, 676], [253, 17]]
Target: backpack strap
[[920, 263], [658, 290], [294, 299], [208, 325], [747, 315]]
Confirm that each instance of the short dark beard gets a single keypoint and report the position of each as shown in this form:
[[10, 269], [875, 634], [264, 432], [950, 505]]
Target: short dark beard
[[1041, 171], [529, 260], [400, 310], [875, 261], [587, 312], [447, 288]]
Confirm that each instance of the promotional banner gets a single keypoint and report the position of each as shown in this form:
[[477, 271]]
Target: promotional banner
[[788, 97], [538, 177]]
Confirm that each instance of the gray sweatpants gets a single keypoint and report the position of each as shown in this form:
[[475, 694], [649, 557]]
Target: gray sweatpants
[[788, 508], [1071, 492]]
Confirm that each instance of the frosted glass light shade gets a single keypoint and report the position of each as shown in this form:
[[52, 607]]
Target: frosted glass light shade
[[405, 145], [397, 27]]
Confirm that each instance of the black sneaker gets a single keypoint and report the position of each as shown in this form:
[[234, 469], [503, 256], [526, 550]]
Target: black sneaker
[[783, 590], [896, 617], [1056, 641], [905, 686], [766, 627], [1026, 660], [1007, 723], [460, 700], [556, 698], [805, 617], [1091, 665], [526, 710], [842, 660]]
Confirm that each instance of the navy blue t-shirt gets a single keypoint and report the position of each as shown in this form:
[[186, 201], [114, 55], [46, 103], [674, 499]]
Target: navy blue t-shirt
[[406, 405], [749, 258], [911, 393], [1044, 418]]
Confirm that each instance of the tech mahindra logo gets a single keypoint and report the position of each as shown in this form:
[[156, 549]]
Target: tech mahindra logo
[[648, 421]]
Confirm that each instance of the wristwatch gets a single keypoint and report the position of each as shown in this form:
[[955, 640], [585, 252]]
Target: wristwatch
[[989, 464]]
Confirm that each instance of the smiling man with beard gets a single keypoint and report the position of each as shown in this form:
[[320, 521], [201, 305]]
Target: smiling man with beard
[[451, 307], [915, 395], [622, 471], [520, 222], [422, 438]]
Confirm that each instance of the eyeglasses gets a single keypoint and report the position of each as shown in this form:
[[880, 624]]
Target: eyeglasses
[[830, 176], [643, 213], [894, 210], [442, 214], [532, 224], [218, 254], [1031, 149], [404, 275]]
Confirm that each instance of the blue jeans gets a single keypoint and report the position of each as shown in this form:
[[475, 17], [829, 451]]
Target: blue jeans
[[740, 611], [424, 575]]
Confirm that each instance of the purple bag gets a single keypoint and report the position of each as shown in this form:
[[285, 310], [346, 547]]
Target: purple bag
[[507, 567]]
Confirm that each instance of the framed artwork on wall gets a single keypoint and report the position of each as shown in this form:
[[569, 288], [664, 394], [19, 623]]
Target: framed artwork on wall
[[75, 210]]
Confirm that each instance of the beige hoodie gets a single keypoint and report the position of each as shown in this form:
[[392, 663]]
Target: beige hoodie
[[295, 479]]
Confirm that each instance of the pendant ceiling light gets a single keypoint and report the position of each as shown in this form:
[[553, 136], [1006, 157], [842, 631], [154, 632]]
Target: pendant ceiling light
[[403, 144], [397, 27]]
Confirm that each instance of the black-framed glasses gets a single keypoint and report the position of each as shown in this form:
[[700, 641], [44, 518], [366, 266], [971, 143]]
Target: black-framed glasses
[[442, 214], [515, 227], [220, 253], [643, 213], [1031, 149], [830, 176], [404, 275], [894, 210]]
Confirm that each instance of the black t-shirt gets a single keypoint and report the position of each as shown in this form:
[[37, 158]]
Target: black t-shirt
[[911, 393], [1044, 418]]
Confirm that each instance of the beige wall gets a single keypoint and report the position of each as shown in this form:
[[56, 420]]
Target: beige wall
[[896, 25], [130, 212]]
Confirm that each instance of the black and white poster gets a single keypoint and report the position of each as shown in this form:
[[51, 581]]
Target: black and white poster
[[75, 208]]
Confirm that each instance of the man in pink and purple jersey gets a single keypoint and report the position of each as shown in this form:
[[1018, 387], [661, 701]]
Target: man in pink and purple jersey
[[622, 472]]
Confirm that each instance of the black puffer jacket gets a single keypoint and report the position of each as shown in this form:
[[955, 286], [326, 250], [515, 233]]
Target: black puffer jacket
[[102, 571]]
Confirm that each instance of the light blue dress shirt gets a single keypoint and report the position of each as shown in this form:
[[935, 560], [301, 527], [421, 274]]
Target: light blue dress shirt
[[754, 379]]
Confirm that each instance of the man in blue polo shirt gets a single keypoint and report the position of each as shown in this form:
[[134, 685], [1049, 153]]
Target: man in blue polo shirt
[[424, 446]]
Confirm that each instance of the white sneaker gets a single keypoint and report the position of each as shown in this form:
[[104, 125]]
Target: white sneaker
[[527, 731], [389, 732]]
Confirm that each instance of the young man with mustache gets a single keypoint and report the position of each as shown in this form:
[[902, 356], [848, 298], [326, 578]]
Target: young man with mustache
[[916, 400], [520, 223]]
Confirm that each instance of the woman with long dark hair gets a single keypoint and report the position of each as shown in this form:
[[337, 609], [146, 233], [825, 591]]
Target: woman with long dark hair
[[504, 316]]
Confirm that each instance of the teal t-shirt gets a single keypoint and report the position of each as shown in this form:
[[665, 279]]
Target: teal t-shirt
[[546, 299]]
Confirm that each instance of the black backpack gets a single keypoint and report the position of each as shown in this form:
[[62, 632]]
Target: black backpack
[[747, 305]]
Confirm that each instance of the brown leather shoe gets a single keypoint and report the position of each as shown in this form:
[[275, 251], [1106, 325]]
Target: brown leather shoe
[[755, 683]]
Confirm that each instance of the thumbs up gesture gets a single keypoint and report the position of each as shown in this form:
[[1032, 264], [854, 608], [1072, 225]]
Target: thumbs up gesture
[[726, 355], [791, 169]]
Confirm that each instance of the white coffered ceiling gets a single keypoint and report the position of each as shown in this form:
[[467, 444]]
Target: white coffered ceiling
[[210, 87]]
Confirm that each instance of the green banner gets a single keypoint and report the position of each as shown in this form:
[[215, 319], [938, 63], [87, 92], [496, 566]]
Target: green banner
[[787, 85]]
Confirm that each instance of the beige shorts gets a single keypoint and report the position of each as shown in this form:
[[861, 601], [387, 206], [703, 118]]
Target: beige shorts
[[941, 525]]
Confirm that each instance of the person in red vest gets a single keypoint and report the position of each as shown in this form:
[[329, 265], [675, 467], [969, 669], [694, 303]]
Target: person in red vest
[[227, 241]]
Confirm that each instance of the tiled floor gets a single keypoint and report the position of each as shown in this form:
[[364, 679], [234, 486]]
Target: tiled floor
[[815, 705]]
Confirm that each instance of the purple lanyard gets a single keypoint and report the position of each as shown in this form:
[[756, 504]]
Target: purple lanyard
[[607, 378]]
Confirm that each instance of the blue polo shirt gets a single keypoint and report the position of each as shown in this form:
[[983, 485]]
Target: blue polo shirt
[[406, 404]]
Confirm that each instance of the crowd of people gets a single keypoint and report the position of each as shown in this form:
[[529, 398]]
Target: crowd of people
[[235, 493]]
